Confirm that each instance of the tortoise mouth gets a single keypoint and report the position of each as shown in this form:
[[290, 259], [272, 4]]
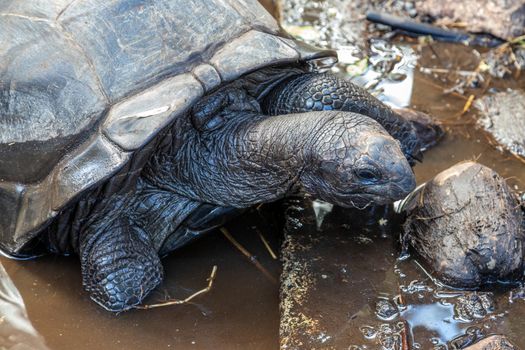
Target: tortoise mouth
[[363, 200]]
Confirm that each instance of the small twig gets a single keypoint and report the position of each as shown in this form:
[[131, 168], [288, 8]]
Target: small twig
[[433, 51], [518, 157], [447, 71], [405, 344], [517, 39], [183, 301], [266, 244], [468, 104], [249, 255], [401, 298], [425, 272], [453, 93]]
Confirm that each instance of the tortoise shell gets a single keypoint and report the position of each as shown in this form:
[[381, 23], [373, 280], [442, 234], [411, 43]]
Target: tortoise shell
[[86, 84]]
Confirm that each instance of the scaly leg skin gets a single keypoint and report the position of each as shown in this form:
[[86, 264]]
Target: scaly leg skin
[[120, 244], [325, 92], [119, 264]]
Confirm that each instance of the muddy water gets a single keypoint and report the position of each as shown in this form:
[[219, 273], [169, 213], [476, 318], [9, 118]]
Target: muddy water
[[432, 313], [241, 311], [464, 139]]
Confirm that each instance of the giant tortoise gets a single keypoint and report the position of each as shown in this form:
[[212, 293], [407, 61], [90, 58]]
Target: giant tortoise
[[128, 127]]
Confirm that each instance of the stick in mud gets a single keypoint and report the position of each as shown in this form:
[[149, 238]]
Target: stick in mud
[[183, 301], [266, 245], [249, 255]]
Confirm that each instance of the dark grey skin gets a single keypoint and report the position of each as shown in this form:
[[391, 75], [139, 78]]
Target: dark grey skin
[[230, 154]]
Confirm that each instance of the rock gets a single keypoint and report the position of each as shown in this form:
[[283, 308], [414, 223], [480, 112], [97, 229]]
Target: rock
[[467, 227], [472, 306], [386, 310], [502, 63], [471, 336], [494, 342], [502, 18], [502, 117]]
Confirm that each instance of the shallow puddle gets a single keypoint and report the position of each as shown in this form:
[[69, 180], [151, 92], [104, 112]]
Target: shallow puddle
[[240, 312]]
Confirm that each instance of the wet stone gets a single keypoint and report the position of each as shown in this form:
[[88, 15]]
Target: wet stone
[[466, 226], [502, 117], [471, 306], [386, 310], [369, 332], [389, 336], [471, 335], [504, 63]]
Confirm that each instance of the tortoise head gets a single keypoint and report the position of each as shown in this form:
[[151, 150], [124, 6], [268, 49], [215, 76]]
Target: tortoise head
[[356, 163]]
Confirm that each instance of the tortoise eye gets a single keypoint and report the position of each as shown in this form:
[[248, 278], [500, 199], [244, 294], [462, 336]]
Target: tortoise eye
[[367, 174]]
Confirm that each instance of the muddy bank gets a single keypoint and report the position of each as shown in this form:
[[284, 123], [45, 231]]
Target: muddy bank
[[501, 18]]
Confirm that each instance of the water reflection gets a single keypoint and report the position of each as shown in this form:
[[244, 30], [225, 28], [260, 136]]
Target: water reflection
[[434, 318]]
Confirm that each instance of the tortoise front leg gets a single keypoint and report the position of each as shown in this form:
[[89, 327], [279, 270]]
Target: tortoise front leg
[[325, 92], [119, 263]]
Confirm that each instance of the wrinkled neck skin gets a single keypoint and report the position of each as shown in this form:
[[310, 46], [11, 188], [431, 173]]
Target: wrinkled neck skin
[[252, 159]]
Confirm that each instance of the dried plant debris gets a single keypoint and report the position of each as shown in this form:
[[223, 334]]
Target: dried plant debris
[[494, 342], [336, 24], [504, 61], [502, 18], [502, 116], [466, 225]]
